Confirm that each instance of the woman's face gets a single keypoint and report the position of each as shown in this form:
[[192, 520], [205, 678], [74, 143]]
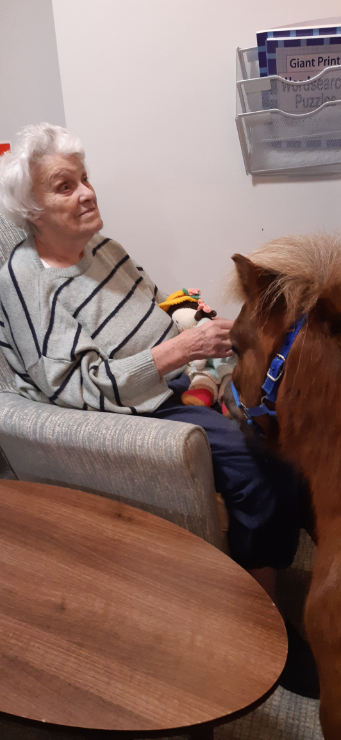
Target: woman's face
[[68, 201]]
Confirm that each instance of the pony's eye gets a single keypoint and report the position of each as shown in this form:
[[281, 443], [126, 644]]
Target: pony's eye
[[234, 349]]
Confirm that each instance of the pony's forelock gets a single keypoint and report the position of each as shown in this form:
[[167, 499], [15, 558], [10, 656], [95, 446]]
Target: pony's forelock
[[306, 267]]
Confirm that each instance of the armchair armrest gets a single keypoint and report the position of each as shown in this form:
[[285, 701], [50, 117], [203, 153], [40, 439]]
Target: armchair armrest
[[164, 467]]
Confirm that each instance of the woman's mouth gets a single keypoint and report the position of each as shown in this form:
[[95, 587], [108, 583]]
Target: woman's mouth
[[89, 210]]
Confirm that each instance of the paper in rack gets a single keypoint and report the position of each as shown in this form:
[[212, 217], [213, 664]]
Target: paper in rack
[[301, 58], [262, 36]]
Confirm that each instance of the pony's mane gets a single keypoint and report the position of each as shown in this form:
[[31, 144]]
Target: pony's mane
[[304, 267]]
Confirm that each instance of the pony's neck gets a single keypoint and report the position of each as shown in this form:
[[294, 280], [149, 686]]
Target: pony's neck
[[308, 410]]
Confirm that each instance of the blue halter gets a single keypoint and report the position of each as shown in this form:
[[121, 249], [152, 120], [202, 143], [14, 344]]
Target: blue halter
[[273, 377]]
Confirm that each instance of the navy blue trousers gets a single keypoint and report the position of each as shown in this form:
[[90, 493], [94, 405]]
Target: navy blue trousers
[[260, 491]]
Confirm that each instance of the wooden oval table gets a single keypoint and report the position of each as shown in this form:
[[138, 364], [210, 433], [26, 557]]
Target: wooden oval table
[[112, 618]]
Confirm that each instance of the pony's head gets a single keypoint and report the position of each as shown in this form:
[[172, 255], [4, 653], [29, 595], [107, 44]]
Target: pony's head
[[277, 284]]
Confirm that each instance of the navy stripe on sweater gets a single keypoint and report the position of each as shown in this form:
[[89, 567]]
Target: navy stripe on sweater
[[21, 299], [26, 377], [85, 405], [69, 376], [53, 311], [112, 378], [95, 249], [7, 346], [74, 345], [164, 334], [2, 324], [117, 309], [65, 381], [12, 335], [136, 328], [98, 288]]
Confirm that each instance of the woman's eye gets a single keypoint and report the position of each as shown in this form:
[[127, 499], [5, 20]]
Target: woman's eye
[[63, 188]]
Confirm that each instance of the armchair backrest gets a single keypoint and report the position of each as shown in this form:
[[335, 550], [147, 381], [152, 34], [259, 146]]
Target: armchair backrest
[[10, 235]]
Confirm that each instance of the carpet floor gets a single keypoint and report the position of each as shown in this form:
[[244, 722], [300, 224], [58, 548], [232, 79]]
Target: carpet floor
[[284, 716]]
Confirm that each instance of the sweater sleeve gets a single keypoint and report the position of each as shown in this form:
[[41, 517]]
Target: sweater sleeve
[[7, 344], [24, 383], [86, 378]]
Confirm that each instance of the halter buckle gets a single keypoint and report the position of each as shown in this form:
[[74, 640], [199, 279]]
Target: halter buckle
[[274, 380], [243, 409]]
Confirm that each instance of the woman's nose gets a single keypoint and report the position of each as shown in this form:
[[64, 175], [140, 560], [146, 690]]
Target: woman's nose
[[85, 193]]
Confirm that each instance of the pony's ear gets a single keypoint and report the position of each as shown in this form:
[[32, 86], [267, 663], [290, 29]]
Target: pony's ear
[[254, 280], [246, 273]]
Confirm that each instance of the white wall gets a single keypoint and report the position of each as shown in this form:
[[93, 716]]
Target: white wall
[[149, 85], [30, 89]]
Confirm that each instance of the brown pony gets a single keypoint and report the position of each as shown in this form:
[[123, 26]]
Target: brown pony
[[278, 283]]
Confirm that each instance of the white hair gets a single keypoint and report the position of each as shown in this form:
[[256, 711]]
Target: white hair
[[16, 197]]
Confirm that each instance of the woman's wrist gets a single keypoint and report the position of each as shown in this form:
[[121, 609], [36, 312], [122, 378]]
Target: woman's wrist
[[174, 353]]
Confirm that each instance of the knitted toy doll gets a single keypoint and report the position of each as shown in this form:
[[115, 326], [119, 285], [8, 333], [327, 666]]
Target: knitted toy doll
[[208, 377]]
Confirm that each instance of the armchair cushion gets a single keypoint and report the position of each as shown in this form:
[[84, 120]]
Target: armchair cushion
[[145, 462]]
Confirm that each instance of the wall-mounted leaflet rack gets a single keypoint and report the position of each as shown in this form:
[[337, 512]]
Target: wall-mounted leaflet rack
[[288, 142]]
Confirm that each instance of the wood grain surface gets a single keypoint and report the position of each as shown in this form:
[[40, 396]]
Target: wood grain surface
[[112, 618]]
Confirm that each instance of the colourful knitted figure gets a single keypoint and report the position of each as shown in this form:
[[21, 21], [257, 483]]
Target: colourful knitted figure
[[208, 377]]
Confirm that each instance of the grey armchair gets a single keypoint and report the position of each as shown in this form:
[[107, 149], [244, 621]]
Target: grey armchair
[[163, 467]]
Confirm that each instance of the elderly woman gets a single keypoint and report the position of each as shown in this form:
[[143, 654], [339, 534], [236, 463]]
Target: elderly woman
[[81, 327]]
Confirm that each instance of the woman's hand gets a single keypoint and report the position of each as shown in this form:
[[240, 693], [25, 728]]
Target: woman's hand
[[211, 339]]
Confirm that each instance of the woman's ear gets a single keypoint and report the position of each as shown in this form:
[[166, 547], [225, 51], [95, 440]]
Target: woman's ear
[[36, 221]]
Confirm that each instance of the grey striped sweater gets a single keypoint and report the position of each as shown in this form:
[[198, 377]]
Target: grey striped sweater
[[81, 337]]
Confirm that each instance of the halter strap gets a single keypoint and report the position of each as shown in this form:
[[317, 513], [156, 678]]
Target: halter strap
[[273, 377]]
